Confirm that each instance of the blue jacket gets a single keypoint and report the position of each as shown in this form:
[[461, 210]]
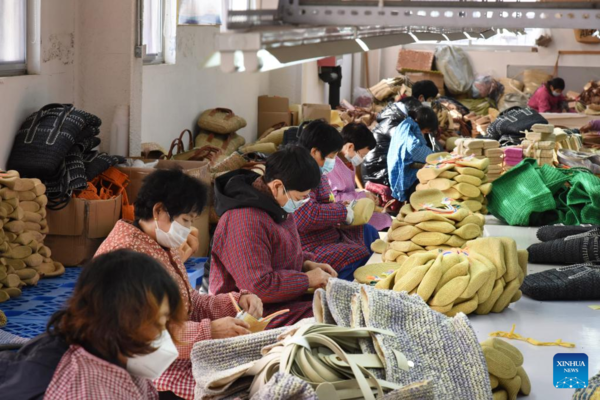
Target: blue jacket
[[408, 146]]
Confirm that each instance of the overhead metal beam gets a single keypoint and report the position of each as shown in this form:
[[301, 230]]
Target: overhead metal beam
[[447, 14]]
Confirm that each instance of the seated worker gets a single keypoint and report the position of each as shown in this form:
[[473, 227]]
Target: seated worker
[[256, 246], [408, 151], [548, 97], [167, 203], [323, 222], [592, 126], [113, 337], [425, 91], [358, 141], [374, 169]]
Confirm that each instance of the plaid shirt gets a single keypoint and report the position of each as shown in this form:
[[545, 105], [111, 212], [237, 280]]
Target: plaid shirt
[[322, 233], [408, 146], [81, 375], [201, 309], [253, 252]]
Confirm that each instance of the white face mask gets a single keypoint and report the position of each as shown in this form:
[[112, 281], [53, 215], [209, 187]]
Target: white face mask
[[151, 366], [173, 239]]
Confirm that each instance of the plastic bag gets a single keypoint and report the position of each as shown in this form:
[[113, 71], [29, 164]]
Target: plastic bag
[[362, 97], [454, 63]]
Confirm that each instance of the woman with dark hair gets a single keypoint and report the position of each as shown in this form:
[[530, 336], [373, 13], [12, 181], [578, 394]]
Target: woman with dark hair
[[113, 337], [358, 141], [548, 97], [167, 203], [408, 151], [325, 224], [256, 244]]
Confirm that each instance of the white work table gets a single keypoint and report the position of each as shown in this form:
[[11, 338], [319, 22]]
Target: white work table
[[547, 321]]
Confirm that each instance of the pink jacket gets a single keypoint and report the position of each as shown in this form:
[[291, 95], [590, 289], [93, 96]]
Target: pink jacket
[[543, 101]]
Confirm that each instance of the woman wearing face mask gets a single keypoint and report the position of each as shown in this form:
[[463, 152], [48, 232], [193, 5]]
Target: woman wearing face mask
[[111, 340], [358, 141], [256, 244], [548, 98], [323, 222], [408, 151], [167, 203]]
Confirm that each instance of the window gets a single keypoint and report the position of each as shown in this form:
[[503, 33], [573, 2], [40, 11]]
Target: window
[[154, 38], [13, 37]]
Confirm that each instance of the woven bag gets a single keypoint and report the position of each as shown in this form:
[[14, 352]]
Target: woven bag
[[226, 143], [177, 150], [513, 121], [221, 120], [534, 78], [47, 136]]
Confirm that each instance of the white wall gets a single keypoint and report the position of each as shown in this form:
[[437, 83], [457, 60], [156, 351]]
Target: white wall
[[175, 95], [496, 62], [22, 95], [105, 59]]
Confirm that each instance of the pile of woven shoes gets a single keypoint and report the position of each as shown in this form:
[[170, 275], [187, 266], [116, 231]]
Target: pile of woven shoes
[[575, 246], [481, 148], [484, 277], [540, 144], [426, 223], [512, 156], [462, 178], [23, 256], [568, 139], [479, 123], [505, 366]]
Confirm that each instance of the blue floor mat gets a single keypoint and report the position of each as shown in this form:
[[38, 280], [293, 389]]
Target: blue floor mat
[[28, 315]]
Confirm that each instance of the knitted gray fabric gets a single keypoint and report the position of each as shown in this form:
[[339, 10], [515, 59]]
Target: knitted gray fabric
[[444, 350], [9, 338], [414, 391], [321, 310], [285, 387], [570, 250], [553, 232], [593, 389], [217, 359], [339, 300], [358, 321], [575, 282]]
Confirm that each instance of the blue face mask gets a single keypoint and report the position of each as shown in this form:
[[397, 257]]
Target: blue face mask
[[291, 206], [328, 166]]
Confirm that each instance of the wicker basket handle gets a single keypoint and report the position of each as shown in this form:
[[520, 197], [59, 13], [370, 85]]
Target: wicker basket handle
[[180, 148], [223, 110], [191, 145]]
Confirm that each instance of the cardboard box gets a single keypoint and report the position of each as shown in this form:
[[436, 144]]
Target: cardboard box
[[295, 111], [311, 112], [273, 104], [77, 230], [198, 169], [270, 119], [436, 77], [272, 110], [412, 59]]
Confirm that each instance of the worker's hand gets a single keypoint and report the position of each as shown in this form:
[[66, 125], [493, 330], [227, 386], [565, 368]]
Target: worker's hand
[[371, 196], [317, 278], [228, 327], [252, 304], [310, 265], [193, 241], [586, 128]]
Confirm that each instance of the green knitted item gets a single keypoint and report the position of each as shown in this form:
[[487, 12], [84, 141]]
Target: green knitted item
[[518, 193], [530, 196]]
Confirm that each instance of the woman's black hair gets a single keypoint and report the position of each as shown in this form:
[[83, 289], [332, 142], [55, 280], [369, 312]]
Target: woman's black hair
[[425, 88], [557, 83], [359, 135], [322, 136], [411, 103], [115, 306], [295, 167], [178, 192], [426, 118]]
